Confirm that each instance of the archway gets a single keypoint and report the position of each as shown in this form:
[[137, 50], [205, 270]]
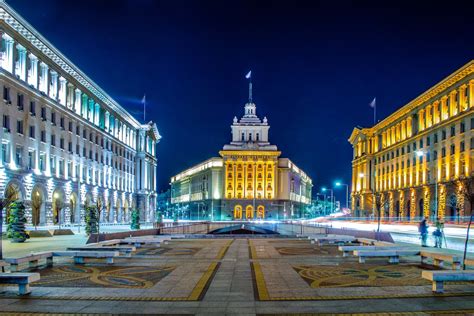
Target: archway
[[397, 210], [73, 214], [408, 210], [260, 212], [13, 192], [125, 211], [38, 207], [249, 212], [118, 210], [238, 212], [58, 206], [420, 208], [453, 206]]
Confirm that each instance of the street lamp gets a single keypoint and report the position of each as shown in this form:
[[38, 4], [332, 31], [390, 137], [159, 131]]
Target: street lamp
[[332, 196], [338, 184]]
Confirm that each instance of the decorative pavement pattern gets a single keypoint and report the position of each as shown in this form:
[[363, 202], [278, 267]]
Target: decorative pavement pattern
[[139, 277], [240, 276], [166, 251]]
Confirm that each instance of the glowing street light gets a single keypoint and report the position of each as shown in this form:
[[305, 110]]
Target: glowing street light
[[339, 184], [324, 189]]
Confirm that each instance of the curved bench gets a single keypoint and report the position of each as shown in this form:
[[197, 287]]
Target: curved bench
[[79, 256], [393, 255], [125, 250]]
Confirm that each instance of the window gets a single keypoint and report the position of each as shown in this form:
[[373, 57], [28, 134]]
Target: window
[[453, 130], [453, 149], [472, 143], [53, 140], [243, 136], [19, 127], [32, 108], [403, 150], [69, 147], [43, 136], [462, 127], [443, 152], [408, 149], [443, 134], [6, 122], [84, 134], [32, 131], [42, 162], [78, 130], [77, 149], [70, 126], [6, 94], [61, 122], [52, 163], [428, 141], [31, 159], [61, 143], [20, 101], [435, 155], [43, 113], [435, 138], [18, 156], [5, 154], [462, 146], [421, 143], [472, 122], [53, 118]]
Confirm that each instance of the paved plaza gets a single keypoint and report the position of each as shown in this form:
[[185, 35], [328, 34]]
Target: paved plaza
[[238, 276]]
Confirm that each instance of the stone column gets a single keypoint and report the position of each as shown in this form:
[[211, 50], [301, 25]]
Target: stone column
[[62, 90], [8, 53], [77, 101], [20, 67], [53, 88], [33, 71], [43, 80]]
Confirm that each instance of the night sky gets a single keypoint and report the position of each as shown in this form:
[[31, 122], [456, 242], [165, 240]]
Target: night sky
[[316, 67]]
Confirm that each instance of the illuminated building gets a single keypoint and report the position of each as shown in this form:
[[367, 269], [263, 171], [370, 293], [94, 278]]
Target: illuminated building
[[412, 159], [65, 143], [248, 181]]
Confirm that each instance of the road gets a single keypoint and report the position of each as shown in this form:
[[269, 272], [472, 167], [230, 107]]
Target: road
[[408, 233]]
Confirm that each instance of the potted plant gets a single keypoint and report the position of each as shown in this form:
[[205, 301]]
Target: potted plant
[[92, 221], [135, 219], [16, 222]]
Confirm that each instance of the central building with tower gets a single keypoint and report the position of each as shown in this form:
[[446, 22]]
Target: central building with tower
[[248, 181]]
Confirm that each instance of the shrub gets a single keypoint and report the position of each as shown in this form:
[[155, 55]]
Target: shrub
[[16, 222]]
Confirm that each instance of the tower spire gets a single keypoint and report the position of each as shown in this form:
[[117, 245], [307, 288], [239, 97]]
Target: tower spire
[[249, 77]]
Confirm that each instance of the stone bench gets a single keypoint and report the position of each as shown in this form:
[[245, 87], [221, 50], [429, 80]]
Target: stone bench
[[366, 241], [439, 277], [346, 250], [112, 242], [22, 279], [32, 260], [392, 254], [79, 256], [138, 242], [332, 239], [125, 250], [440, 258]]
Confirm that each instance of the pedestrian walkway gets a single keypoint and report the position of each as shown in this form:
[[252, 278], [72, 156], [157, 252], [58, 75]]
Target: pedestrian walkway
[[238, 276]]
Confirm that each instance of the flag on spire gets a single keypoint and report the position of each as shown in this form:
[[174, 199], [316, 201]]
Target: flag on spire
[[372, 104], [249, 75]]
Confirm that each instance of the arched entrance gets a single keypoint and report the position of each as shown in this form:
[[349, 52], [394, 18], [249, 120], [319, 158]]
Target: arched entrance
[[397, 210], [238, 212], [249, 212], [58, 206], [125, 211], [420, 208], [408, 210], [38, 208], [13, 192], [73, 214], [260, 212], [452, 206], [118, 210]]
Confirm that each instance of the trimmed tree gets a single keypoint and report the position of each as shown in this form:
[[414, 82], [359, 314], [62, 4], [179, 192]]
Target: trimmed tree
[[16, 222], [466, 189], [92, 223], [135, 224]]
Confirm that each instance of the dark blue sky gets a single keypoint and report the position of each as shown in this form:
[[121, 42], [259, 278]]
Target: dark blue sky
[[316, 66]]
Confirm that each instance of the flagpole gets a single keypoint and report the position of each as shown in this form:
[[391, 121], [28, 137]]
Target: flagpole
[[144, 108]]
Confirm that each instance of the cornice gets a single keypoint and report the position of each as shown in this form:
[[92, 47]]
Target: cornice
[[13, 20], [440, 87]]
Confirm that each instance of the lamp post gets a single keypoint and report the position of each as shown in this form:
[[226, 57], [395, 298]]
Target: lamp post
[[338, 184], [421, 153], [332, 197]]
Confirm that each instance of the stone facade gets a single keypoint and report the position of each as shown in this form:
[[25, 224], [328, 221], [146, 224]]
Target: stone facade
[[64, 142]]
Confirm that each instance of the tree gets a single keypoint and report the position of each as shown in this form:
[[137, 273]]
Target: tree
[[466, 189], [135, 219], [378, 206], [16, 222], [36, 201], [91, 220], [10, 196], [100, 206]]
